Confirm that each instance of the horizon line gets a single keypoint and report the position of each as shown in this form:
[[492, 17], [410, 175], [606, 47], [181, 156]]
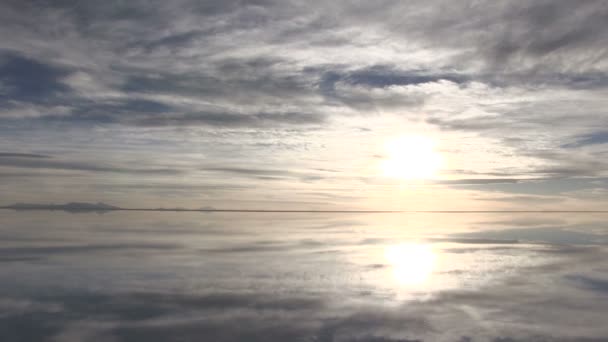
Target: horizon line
[[59, 208]]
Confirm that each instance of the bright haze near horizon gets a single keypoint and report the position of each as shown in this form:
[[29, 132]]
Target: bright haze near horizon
[[383, 105]]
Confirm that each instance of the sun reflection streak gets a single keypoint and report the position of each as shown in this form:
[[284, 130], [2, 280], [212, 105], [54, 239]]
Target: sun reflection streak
[[412, 263]]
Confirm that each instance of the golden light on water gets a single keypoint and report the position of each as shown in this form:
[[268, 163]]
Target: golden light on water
[[411, 157], [412, 263]]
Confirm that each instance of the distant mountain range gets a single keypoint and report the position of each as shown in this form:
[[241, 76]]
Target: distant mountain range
[[100, 207], [88, 207]]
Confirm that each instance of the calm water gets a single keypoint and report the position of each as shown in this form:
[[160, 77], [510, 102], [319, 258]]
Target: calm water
[[134, 276]]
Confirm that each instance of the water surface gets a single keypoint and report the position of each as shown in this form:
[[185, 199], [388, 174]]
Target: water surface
[[160, 276]]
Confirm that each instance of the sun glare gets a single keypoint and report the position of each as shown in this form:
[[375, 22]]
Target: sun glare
[[411, 157], [412, 263]]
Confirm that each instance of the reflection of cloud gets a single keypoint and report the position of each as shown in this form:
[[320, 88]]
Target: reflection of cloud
[[595, 284], [73, 207], [160, 317], [524, 222], [554, 235], [270, 246], [495, 314], [244, 278], [39, 252]]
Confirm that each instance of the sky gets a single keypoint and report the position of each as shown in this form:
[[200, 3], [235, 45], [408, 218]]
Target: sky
[[473, 105]]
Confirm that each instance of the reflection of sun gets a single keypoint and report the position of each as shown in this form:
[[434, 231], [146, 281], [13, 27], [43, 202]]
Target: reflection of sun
[[412, 263], [411, 157]]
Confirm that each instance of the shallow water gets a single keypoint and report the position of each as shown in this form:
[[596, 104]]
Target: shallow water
[[161, 276]]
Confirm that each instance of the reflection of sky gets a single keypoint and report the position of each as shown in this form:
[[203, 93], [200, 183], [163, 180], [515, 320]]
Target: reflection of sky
[[310, 277]]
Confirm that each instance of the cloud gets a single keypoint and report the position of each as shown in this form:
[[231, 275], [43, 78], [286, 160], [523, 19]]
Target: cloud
[[265, 174], [21, 155], [28, 80], [232, 119], [18, 160], [173, 41], [589, 139], [549, 235], [473, 181], [386, 75], [525, 222], [599, 285], [524, 199], [541, 37], [116, 111], [476, 240], [153, 75], [46, 251]]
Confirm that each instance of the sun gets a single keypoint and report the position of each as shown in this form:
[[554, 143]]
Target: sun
[[411, 157]]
